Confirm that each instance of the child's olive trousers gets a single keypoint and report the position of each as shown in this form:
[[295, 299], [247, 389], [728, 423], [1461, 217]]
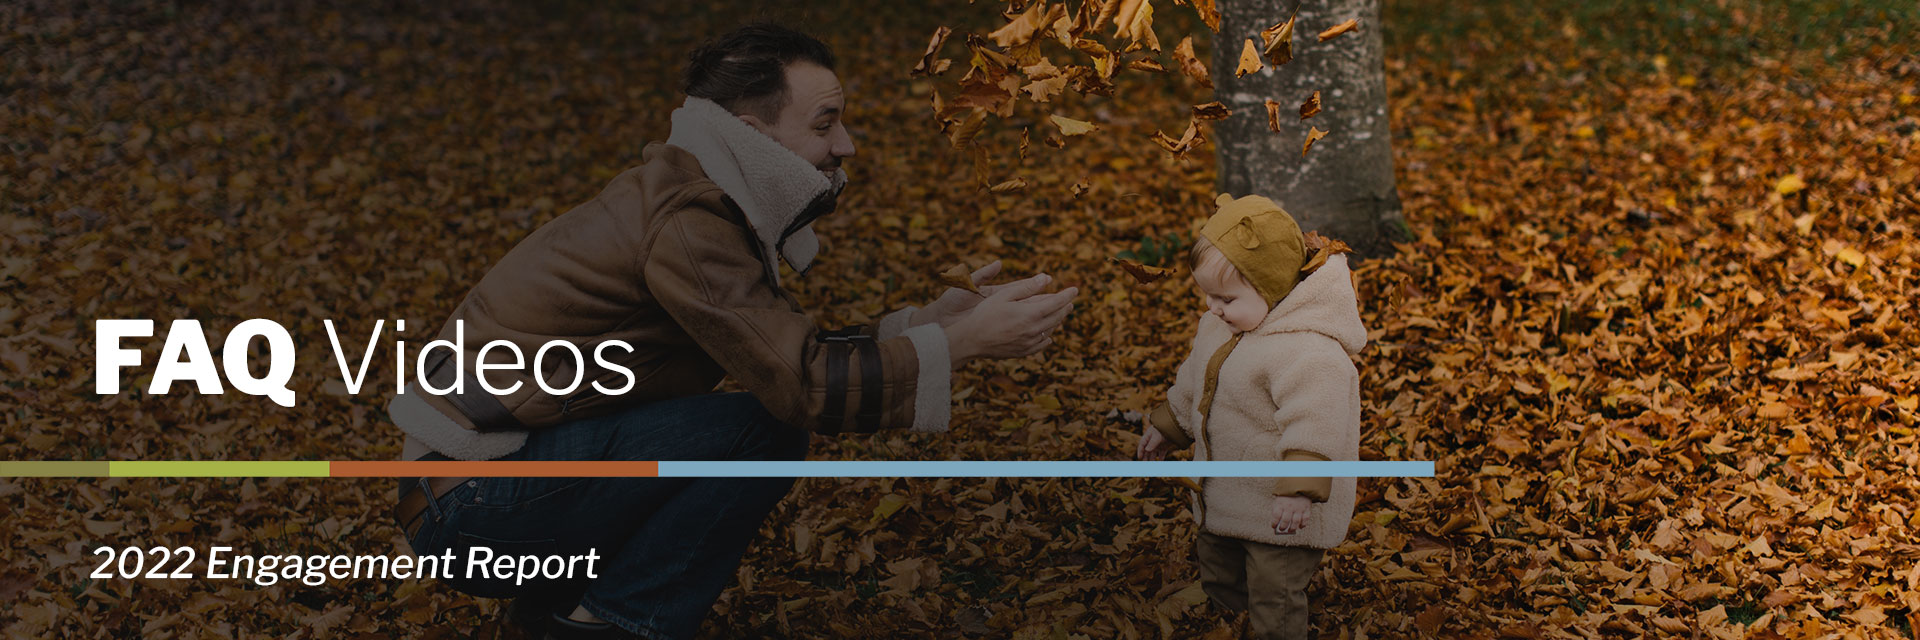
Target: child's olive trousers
[[1269, 582]]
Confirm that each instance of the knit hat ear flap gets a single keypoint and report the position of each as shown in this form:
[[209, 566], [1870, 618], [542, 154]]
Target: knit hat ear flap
[[1261, 241]]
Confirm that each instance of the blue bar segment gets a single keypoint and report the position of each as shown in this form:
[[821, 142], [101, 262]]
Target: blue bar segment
[[1045, 469]]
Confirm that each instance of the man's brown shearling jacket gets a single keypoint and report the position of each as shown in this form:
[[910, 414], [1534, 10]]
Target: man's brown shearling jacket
[[663, 260]]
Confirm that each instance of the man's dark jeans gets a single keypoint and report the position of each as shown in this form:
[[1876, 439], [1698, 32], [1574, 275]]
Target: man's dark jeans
[[667, 546]]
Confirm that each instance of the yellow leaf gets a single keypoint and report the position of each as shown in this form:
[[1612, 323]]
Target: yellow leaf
[[1072, 127], [889, 505], [1249, 60], [1849, 256], [1789, 185], [1134, 21]]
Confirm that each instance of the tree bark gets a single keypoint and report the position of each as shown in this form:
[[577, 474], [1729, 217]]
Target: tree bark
[[1344, 186]]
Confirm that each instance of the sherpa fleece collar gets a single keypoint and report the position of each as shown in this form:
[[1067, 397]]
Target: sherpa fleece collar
[[779, 191]]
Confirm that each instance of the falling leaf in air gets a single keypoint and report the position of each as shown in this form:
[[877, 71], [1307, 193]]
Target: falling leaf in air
[[1279, 41], [1134, 21], [1313, 134], [1045, 89], [1021, 30], [1319, 249], [1273, 116], [1141, 272], [1209, 13], [1336, 30], [1311, 106], [930, 65], [960, 276], [1190, 64], [1249, 60], [1211, 111], [1072, 127], [1186, 143], [963, 132], [1010, 186]]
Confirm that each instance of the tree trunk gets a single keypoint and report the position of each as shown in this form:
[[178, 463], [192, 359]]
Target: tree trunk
[[1344, 186]]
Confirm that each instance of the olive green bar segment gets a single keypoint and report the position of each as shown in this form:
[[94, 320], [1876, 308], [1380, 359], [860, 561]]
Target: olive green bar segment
[[220, 469], [53, 469]]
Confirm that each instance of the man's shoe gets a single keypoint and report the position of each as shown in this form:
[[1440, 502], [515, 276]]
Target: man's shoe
[[560, 627], [528, 618]]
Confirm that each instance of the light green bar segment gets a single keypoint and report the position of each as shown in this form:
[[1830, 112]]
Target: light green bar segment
[[53, 469], [220, 469]]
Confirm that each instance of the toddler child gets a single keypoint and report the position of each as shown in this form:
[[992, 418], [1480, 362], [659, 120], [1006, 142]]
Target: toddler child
[[1269, 378]]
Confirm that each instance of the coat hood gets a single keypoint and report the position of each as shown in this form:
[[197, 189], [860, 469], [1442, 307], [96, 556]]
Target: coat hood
[[1322, 303]]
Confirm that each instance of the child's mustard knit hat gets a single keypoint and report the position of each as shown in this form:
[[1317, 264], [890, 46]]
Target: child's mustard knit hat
[[1262, 241]]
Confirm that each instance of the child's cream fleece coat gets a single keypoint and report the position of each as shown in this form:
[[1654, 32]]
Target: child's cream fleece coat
[[1288, 390]]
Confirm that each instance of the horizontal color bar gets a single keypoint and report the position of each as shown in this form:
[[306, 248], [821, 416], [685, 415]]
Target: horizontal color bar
[[1045, 469], [52, 469], [217, 469], [719, 469], [497, 468]]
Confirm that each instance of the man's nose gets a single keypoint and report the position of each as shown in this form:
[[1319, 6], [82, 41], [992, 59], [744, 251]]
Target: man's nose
[[842, 144]]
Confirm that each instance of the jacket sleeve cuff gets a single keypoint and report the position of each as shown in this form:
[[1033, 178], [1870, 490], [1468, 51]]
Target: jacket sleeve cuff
[[1315, 489], [894, 324], [1162, 421], [933, 394]]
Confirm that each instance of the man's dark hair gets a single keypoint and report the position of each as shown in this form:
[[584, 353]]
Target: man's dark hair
[[745, 70]]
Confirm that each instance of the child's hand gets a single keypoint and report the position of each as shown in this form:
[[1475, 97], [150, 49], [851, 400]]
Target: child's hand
[[1289, 513], [1153, 446]]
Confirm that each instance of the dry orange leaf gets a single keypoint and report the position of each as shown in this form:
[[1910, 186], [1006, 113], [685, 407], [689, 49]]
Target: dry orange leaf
[[1335, 31], [1190, 64], [1211, 111], [1010, 186], [1045, 89], [1186, 143], [1273, 116], [1311, 106], [1249, 60], [1134, 21], [929, 65], [1313, 134], [1319, 249], [1208, 13], [1147, 64], [1142, 273], [1279, 41], [960, 276]]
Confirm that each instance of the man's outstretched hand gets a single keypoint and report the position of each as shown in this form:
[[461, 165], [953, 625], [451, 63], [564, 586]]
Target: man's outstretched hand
[[1013, 320], [955, 302]]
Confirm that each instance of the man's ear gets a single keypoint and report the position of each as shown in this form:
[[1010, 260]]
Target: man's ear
[[754, 121]]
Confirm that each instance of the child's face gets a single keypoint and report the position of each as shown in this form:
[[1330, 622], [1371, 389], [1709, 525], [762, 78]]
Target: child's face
[[1233, 300]]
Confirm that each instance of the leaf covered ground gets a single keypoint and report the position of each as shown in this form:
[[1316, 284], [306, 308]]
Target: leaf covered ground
[[1655, 328]]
